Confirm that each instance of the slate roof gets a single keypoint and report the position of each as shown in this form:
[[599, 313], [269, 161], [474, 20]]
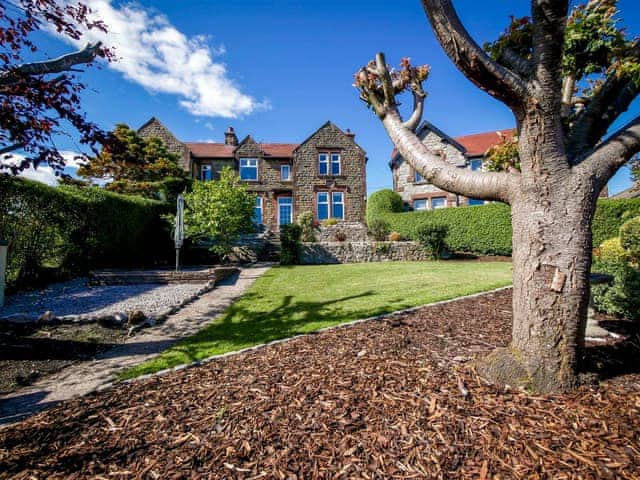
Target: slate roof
[[222, 150]]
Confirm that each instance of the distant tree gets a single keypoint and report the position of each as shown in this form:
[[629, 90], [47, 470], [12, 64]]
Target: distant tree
[[565, 161], [40, 98], [219, 210], [137, 166]]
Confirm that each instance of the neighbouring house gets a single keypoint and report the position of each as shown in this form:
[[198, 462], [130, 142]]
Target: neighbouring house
[[632, 192], [464, 152], [325, 174]]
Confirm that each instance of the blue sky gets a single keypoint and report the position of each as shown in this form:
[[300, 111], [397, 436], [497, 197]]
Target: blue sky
[[278, 69]]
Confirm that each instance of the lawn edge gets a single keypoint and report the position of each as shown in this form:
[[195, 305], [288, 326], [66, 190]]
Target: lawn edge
[[260, 346]]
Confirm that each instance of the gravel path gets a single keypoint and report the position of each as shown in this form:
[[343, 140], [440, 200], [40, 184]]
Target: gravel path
[[77, 298]]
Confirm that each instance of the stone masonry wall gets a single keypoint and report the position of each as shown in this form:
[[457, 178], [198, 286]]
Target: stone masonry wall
[[155, 128], [404, 174], [353, 231], [351, 180], [360, 252]]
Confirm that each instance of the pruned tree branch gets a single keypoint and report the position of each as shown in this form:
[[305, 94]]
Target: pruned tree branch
[[418, 109], [11, 148], [549, 23], [499, 81], [61, 64], [613, 153]]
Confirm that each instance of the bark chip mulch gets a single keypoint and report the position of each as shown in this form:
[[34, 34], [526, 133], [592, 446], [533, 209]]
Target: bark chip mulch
[[396, 398]]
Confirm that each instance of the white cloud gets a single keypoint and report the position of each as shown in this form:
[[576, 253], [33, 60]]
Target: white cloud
[[43, 173], [156, 55]]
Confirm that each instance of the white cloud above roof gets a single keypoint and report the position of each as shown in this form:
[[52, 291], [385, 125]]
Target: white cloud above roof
[[156, 55]]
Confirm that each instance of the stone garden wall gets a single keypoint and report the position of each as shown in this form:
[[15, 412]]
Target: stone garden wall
[[360, 252], [352, 231]]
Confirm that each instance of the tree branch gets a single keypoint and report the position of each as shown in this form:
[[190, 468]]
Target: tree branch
[[11, 148], [515, 62], [418, 108], [549, 23], [56, 65], [500, 82], [612, 154]]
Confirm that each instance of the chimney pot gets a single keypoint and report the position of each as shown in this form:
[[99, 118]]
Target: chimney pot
[[230, 137]]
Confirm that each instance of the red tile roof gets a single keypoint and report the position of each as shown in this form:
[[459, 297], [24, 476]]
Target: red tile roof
[[479, 143], [221, 150]]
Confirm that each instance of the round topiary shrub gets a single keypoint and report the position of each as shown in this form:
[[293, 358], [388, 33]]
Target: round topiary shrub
[[630, 238], [383, 201], [611, 251]]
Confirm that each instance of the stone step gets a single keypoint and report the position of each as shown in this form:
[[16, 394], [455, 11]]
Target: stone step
[[132, 277]]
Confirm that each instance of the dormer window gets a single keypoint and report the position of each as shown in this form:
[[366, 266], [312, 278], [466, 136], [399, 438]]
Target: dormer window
[[249, 169]]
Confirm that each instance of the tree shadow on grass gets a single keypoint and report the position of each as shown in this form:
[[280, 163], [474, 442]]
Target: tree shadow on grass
[[244, 324]]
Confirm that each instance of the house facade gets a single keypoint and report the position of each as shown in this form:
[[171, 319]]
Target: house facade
[[463, 152], [325, 174]]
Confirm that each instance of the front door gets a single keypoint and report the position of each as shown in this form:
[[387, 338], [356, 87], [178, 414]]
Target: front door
[[285, 210]]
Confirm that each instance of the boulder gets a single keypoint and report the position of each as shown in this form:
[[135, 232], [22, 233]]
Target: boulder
[[48, 318], [136, 317]]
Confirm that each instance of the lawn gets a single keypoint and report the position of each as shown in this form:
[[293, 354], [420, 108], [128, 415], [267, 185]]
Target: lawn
[[288, 301]]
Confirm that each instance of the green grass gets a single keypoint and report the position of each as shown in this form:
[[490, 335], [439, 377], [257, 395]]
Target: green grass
[[287, 301]]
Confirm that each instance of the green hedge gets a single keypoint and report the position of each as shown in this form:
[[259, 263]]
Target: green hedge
[[381, 202], [486, 229], [65, 231]]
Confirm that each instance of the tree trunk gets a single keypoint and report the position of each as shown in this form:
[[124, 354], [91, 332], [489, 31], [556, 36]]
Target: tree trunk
[[551, 266]]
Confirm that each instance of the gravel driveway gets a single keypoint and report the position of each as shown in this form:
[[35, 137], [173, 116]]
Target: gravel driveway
[[77, 298]]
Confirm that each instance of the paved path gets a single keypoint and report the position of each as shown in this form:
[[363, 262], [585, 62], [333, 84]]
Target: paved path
[[85, 377]]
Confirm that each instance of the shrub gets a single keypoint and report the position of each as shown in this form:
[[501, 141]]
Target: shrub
[[290, 244], [340, 236], [630, 238], [395, 237], [305, 220], [432, 237], [611, 215], [622, 296], [329, 222], [379, 228], [381, 202], [611, 251]]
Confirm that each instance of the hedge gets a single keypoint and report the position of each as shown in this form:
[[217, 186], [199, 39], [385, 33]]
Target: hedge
[[62, 232], [486, 229], [383, 201]]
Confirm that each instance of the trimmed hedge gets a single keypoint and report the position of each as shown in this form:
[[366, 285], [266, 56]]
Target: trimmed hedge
[[381, 202], [61, 232], [486, 229]]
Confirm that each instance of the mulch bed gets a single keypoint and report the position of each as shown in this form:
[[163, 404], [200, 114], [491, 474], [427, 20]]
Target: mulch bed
[[29, 354], [380, 399]]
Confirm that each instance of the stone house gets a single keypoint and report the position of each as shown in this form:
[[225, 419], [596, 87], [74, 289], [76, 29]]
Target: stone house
[[325, 174], [464, 152]]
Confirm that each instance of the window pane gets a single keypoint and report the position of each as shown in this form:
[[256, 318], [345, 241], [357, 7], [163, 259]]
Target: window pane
[[323, 205], [285, 172], [323, 164], [438, 202], [257, 212], [335, 164], [476, 164], [420, 204], [323, 197], [206, 173], [475, 201], [419, 177], [249, 169], [338, 211]]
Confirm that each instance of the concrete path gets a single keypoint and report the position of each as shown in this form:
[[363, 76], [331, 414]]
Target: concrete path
[[85, 377]]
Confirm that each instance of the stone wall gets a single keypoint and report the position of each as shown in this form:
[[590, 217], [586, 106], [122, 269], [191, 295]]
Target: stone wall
[[351, 180], [404, 175], [353, 231], [360, 252]]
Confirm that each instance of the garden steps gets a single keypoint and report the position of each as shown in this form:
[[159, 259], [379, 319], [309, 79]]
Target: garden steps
[[130, 277]]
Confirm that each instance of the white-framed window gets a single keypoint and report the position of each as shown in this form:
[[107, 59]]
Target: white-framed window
[[248, 169], [285, 173], [330, 205], [323, 164], [420, 204], [206, 174], [337, 205], [285, 210], [257, 211], [323, 205], [418, 177], [438, 202], [475, 164], [335, 164]]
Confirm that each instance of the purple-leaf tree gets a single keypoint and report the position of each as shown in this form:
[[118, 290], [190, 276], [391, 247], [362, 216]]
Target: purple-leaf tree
[[40, 99], [565, 158]]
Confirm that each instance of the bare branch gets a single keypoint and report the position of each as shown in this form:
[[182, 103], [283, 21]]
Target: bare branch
[[500, 82], [56, 65], [482, 185], [613, 153], [549, 23], [11, 148]]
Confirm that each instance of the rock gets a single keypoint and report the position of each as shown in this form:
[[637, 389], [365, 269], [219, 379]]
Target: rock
[[121, 318], [136, 317], [48, 318], [110, 321]]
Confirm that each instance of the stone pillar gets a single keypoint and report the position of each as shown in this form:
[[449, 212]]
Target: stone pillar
[[3, 268]]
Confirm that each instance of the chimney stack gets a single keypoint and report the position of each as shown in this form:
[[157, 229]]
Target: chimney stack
[[230, 137], [350, 134]]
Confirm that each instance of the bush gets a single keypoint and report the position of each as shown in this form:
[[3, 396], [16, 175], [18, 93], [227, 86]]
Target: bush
[[305, 220], [611, 251], [622, 296], [383, 201], [630, 238], [290, 244], [486, 229], [395, 237], [329, 222], [379, 228], [57, 233], [433, 239]]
